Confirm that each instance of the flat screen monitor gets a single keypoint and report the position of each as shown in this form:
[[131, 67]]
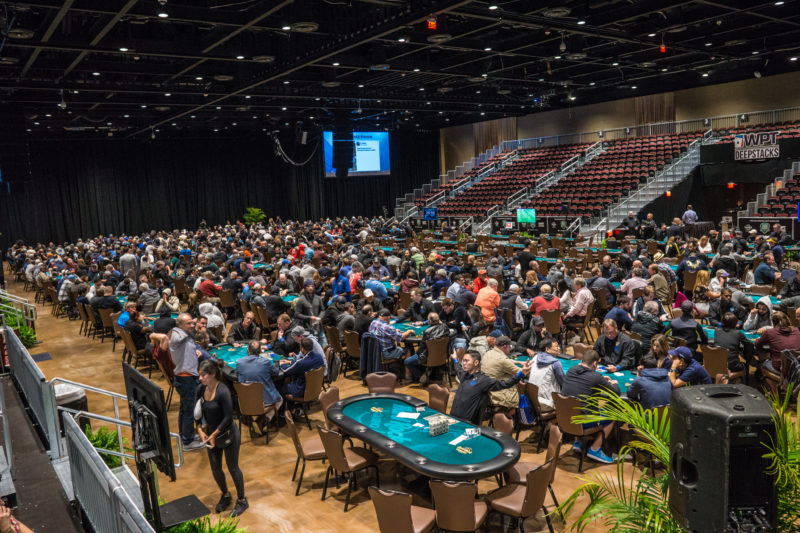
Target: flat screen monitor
[[526, 216], [430, 213], [149, 422], [370, 153]]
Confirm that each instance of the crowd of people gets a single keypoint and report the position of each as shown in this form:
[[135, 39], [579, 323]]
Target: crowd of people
[[346, 278]]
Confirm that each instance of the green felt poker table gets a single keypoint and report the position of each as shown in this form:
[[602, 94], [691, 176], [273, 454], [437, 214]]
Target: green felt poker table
[[289, 298], [121, 298], [756, 297], [402, 327], [265, 266], [451, 252], [152, 317], [230, 354], [749, 335], [396, 425], [624, 378]]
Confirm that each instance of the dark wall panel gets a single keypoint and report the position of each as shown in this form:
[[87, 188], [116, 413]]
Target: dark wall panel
[[82, 189]]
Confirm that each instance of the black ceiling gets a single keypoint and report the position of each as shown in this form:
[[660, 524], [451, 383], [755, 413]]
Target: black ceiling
[[225, 66]]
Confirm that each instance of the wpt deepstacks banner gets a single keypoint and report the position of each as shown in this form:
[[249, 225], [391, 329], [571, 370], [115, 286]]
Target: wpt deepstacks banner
[[761, 145]]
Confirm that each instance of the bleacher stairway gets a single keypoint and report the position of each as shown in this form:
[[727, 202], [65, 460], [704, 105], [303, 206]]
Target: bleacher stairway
[[784, 192]]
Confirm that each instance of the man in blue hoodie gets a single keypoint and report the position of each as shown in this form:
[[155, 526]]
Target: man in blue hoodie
[[652, 388]]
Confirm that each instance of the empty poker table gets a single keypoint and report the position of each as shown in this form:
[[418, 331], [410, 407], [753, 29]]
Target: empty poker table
[[230, 354], [624, 378], [396, 425]]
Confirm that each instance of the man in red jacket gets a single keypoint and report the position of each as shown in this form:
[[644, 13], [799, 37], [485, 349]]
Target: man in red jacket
[[208, 288], [480, 282], [545, 301]]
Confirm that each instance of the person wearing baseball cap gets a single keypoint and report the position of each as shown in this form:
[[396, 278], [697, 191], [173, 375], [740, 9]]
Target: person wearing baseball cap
[[480, 282], [685, 370]]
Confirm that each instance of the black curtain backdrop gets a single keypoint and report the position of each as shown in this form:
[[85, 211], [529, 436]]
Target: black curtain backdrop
[[82, 189]]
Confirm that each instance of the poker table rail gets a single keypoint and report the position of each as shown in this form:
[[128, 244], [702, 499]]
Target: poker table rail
[[466, 471]]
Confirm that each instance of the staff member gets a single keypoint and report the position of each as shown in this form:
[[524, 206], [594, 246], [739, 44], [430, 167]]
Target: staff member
[[220, 434]]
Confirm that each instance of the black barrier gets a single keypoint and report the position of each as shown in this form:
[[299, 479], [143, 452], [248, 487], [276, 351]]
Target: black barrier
[[763, 225]]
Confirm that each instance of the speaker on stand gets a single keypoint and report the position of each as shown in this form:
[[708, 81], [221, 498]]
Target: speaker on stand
[[718, 477]]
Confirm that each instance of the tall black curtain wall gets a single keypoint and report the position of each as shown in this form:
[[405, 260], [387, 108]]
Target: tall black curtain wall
[[82, 189]]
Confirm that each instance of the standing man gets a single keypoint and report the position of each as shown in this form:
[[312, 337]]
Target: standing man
[[689, 218], [180, 344]]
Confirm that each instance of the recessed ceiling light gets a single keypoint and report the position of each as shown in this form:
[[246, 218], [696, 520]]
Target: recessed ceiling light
[[317, 98], [477, 92], [310, 118], [484, 75], [755, 52], [48, 115], [215, 129], [126, 116], [286, 27], [239, 57], [591, 83], [447, 120], [247, 96], [283, 108], [614, 64], [234, 124], [779, 3], [427, 103], [487, 48], [651, 34], [286, 82], [557, 57], [572, 98], [163, 14], [705, 74], [541, 79], [219, 107], [379, 101], [360, 85], [581, 22], [199, 78], [441, 112], [792, 59], [482, 113], [174, 124], [709, 44], [143, 106], [401, 39], [193, 116], [664, 69], [492, 7], [123, 49], [416, 70], [634, 87], [422, 88], [335, 63], [95, 73]]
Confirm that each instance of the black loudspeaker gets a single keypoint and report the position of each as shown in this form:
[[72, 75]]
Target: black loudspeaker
[[718, 480], [552, 253], [343, 152]]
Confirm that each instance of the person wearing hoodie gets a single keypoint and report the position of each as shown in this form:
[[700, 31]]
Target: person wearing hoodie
[[688, 329], [547, 372], [760, 317], [494, 268], [148, 298], [652, 387], [647, 323]]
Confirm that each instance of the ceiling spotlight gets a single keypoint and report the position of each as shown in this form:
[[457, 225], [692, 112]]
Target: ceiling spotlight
[[401, 39], [286, 82], [754, 52], [283, 109], [247, 97], [792, 59], [95, 73], [126, 116], [162, 9], [708, 44], [634, 87], [562, 46], [556, 57], [240, 57], [143, 106], [705, 74], [162, 14], [360, 85], [664, 69], [167, 94], [335, 63], [779, 3], [199, 78], [484, 75], [492, 7], [591, 83], [615, 64], [487, 48], [123, 49], [219, 107], [651, 34], [581, 22], [422, 88], [416, 70], [482, 113], [286, 27]]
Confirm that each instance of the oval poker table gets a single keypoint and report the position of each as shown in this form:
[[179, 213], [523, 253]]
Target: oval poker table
[[416, 336], [152, 317], [396, 425], [230, 354]]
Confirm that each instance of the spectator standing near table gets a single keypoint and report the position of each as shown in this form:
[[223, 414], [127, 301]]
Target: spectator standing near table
[[689, 219]]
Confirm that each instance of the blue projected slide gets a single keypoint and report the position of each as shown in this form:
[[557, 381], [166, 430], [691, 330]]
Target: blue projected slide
[[371, 153]]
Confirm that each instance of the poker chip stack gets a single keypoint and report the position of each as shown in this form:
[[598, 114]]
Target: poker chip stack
[[437, 425]]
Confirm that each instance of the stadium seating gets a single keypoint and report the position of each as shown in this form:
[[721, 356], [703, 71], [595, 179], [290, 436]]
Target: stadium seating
[[787, 130], [497, 187], [621, 168]]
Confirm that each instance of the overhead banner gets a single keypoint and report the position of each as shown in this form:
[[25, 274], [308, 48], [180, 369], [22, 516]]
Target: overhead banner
[[761, 145]]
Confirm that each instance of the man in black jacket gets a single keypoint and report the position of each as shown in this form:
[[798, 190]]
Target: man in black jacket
[[474, 386], [363, 319], [581, 381], [531, 339], [419, 309], [415, 363], [725, 304], [617, 350]]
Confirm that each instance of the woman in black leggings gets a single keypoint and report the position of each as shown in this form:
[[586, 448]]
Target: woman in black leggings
[[217, 419]]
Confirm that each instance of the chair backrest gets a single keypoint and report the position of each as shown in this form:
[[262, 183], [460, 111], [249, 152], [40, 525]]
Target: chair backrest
[[637, 292], [333, 443], [689, 280], [763, 290], [393, 510], [314, 380], [245, 306], [105, 317], [554, 447], [715, 360], [578, 348], [601, 298], [537, 481], [251, 400], [261, 316], [353, 344], [438, 397], [326, 399], [115, 323], [128, 341], [218, 331], [455, 504], [298, 447], [334, 341], [437, 352], [381, 381], [404, 299], [531, 391], [502, 423], [566, 408], [552, 320], [589, 314], [226, 298], [82, 312]]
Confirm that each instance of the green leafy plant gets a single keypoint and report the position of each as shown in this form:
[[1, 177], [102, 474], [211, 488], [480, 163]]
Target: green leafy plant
[[784, 454], [107, 439], [253, 215], [26, 335], [627, 504], [205, 525]]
